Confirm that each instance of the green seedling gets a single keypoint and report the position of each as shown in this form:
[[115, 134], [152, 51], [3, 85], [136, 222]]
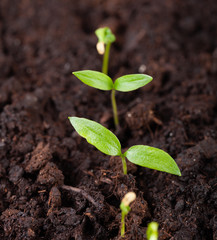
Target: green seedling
[[105, 141], [125, 208], [105, 39], [152, 231], [102, 81]]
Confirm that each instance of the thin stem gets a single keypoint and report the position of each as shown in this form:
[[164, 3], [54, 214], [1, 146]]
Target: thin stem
[[124, 164], [114, 107], [122, 224], [105, 71], [106, 59]]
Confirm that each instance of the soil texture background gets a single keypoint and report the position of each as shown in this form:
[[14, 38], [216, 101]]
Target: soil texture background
[[53, 184]]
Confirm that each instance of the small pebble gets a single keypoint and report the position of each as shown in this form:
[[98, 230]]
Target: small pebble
[[180, 205], [142, 68], [15, 173]]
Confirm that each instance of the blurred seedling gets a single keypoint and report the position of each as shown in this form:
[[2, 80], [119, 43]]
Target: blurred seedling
[[105, 141], [102, 81], [125, 209], [152, 231]]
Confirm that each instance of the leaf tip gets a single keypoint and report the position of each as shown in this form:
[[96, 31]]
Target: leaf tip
[[150, 78], [71, 119], [179, 173]]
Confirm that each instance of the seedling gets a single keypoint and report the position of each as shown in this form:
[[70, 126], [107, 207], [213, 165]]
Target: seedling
[[125, 208], [102, 81], [105, 141], [152, 231], [105, 38]]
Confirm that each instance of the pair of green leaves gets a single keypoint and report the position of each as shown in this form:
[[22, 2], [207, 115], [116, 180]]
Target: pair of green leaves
[[105, 141], [104, 82]]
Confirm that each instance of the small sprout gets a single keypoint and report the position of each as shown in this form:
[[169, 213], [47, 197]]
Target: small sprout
[[125, 208], [105, 37], [102, 81], [152, 231], [106, 142]]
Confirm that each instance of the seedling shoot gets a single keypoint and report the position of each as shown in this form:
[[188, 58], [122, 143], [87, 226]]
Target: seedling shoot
[[106, 142], [105, 39], [125, 208], [102, 81], [152, 231]]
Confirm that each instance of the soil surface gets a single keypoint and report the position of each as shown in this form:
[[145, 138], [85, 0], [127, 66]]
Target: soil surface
[[53, 184]]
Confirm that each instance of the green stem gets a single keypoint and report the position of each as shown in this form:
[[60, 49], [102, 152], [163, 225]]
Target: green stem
[[122, 224], [114, 107], [106, 59], [105, 71], [124, 164]]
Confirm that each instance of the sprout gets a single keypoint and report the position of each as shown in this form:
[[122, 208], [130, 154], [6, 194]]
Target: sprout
[[105, 37], [125, 208], [102, 81], [152, 231], [105, 141]]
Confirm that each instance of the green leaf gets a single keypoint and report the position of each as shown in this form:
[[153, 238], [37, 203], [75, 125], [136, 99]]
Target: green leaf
[[105, 35], [153, 158], [95, 79], [97, 135], [131, 82]]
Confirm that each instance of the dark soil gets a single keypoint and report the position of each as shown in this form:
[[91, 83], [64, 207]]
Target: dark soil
[[41, 43]]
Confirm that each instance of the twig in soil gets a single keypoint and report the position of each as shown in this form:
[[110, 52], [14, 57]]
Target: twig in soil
[[82, 192], [42, 191]]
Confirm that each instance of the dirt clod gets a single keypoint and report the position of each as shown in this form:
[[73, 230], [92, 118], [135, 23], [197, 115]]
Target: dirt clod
[[15, 173], [40, 156], [50, 175]]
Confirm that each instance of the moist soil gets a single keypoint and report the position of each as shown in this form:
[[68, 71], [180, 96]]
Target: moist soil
[[53, 184]]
